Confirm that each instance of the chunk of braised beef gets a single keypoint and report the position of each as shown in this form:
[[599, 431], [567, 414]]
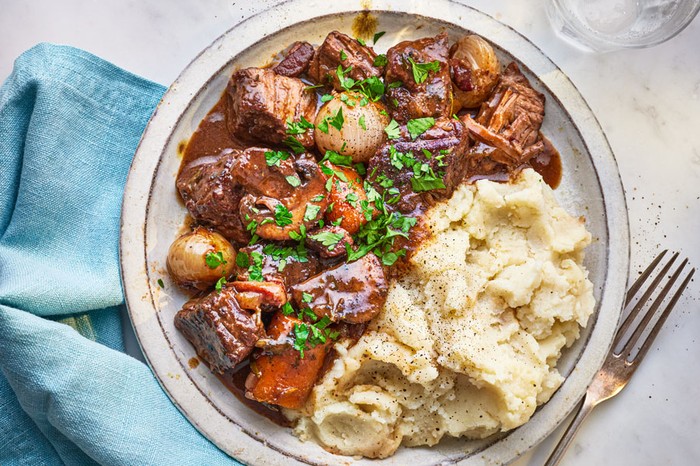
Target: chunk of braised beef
[[339, 49], [221, 332], [212, 195], [432, 96], [240, 193], [510, 120], [349, 292], [442, 148], [261, 102], [329, 242], [296, 61]]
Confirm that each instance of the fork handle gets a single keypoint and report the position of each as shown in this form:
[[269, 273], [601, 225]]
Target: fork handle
[[585, 407]]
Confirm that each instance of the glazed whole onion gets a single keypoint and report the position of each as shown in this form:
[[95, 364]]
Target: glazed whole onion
[[362, 129], [188, 263], [475, 71]]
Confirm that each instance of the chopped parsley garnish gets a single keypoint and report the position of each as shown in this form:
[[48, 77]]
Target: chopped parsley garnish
[[345, 83], [298, 127], [377, 36], [327, 238], [283, 216], [311, 212], [276, 157], [287, 309], [293, 180], [380, 60], [220, 284], [343, 55], [160, 283], [394, 84], [243, 260], [283, 254], [362, 42], [306, 297], [337, 159], [301, 236], [215, 259], [352, 199], [418, 126], [360, 168], [326, 97], [294, 144], [255, 269], [420, 70], [392, 130], [307, 335], [335, 121], [425, 179], [317, 198], [361, 121]]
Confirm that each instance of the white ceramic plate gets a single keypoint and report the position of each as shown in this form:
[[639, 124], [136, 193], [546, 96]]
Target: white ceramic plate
[[152, 218]]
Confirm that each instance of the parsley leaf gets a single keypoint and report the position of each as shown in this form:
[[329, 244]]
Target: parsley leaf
[[294, 144], [311, 212], [306, 297], [293, 180], [380, 60], [287, 309], [255, 269], [362, 42], [275, 157], [327, 238], [378, 35], [298, 127], [418, 126], [424, 178], [361, 121], [215, 259], [301, 335], [283, 216], [420, 70], [326, 97], [160, 283], [220, 284], [310, 88], [395, 84], [337, 120], [343, 55], [337, 159], [242, 260], [392, 130]]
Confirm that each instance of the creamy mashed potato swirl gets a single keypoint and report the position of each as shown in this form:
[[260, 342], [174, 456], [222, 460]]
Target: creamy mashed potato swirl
[[469, 338]]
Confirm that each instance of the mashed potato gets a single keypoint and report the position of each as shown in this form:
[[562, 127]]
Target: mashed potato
[[468, 341]]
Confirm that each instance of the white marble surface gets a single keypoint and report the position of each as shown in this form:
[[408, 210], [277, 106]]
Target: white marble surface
[[647, 101]]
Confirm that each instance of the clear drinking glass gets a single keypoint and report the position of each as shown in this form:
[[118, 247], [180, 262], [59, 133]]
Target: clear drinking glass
[[606, 25]]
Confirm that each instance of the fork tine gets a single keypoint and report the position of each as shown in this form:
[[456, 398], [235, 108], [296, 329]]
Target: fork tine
[[629, 346], [657, 327], [643, 277], [647, 293]]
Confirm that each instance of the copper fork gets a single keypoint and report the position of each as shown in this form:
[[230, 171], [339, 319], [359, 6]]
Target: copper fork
[[621, 363]]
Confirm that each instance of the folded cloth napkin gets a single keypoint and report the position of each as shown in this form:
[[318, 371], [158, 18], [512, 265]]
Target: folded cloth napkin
[[69, 125]]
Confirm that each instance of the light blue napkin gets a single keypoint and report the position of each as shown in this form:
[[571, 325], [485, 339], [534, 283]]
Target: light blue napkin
[[69, 125]]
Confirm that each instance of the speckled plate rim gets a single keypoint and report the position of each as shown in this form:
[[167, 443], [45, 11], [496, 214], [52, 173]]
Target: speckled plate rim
[[133, 249]]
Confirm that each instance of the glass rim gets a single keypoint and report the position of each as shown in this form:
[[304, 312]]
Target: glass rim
[[618, 44]]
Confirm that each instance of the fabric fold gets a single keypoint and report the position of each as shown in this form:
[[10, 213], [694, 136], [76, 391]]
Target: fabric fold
[[69, 125]]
